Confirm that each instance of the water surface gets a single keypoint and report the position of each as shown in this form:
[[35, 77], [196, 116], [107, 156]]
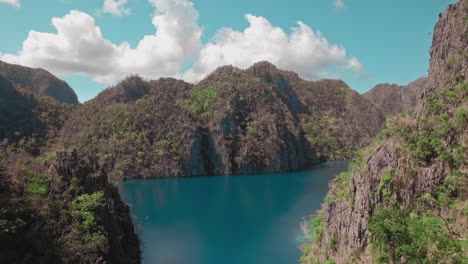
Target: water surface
[[226, 219]]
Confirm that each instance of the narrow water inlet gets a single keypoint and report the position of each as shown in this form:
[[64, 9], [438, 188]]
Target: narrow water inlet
[[227, 219]]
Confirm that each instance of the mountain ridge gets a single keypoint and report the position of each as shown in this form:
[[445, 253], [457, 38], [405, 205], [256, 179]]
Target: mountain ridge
[[394, 99], [39, 81], [221, 122]]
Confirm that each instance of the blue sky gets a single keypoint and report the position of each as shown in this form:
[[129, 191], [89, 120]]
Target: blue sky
[[383, 41]]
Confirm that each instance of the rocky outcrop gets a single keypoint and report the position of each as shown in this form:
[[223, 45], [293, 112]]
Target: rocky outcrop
[[234, 121], [400, 171], [62, 210], [449, 64], [38, 81], [449, 51], [55, 206], [394, 99], [123, 245]]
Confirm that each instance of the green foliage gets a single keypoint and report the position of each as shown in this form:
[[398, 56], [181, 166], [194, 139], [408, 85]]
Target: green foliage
[[202, 99], [319, 133], [384, 182], [459, 77], [449, 95], [358, 162], [36, 184], [398, 234], [450, 63], [433, 105], [96, 241], [49, 156], [426, 137], [333, 243], [428, 147], [140, 155], [450, 189], [85, 207], [340, 187], [170, 143], [252, 127], [316, 225]]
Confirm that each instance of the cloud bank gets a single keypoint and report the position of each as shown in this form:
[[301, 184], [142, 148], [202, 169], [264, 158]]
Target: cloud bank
[[15, 3], [303, 51], [78, 47]]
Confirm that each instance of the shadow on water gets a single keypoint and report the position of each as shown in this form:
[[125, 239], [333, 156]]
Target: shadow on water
[[226, 219]]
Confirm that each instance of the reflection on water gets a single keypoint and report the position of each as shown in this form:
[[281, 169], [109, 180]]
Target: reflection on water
[[226, 219]]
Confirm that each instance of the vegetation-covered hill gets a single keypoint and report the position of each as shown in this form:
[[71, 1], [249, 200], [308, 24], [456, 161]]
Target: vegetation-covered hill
[[38, 81], [54, 206], [234, 121], [404, 198], [394, 99], [27, 119]]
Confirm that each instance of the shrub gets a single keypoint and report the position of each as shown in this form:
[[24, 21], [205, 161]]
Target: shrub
[[202, 99], [252, 127], [384, 182], [140, 155], [85, 206], [46, 158], [340, 187], [398, 234], [318, 132], [433, 105], [37, 184], [316, 225], [333, 243]]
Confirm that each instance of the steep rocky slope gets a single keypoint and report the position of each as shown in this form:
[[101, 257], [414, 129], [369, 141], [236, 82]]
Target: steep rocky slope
[[404, 198], [27, 118], [40, 82], [234, 121], [54, 206], [392, 99]]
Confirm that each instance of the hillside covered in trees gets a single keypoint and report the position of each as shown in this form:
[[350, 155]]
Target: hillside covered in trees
[[234, 121], [404, 198]]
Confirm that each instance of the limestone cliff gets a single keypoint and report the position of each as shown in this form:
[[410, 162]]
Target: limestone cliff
[[394, 99], [234, 121], [403, 199]]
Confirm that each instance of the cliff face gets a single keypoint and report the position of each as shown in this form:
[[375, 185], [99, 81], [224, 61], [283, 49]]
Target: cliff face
[[449, 64], [394, 99], [403, 199], [38, 81], [55, 207], [234, 121]]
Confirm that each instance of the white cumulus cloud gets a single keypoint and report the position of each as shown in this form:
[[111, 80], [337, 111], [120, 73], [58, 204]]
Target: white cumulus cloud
[[116, 7], [78, 47], [11, 2], [303, 51]]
